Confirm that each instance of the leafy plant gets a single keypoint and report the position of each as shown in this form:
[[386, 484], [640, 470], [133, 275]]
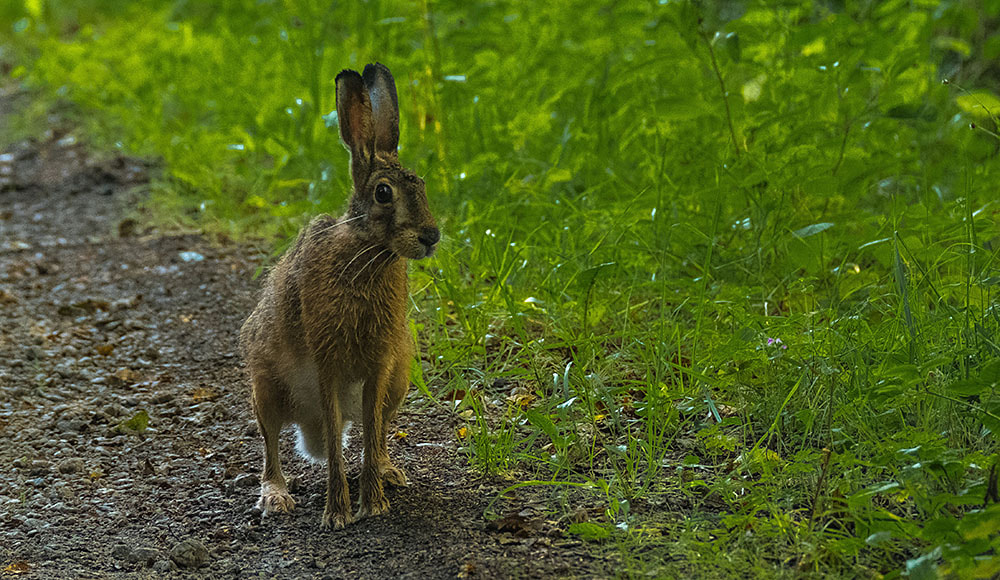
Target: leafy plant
[[741, 256]]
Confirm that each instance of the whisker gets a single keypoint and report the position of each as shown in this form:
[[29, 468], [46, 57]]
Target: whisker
[[384, 251], [356, 256], [377, 273], [330, 227]]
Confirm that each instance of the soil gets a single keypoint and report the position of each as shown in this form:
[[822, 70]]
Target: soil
[[127, 447]]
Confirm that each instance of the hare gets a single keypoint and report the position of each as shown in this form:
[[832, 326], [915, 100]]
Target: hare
[[329, 342]]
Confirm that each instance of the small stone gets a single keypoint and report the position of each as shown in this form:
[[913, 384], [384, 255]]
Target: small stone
[[34, 523], [121, 551], [161, 566], [39, 467], [70, 465], [144, 555], [58, 507], [253, 514], [70, 425], [189, 553], [245, 480], [162, 397]]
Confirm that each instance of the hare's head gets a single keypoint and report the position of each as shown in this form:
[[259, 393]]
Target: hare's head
[[389, 202]]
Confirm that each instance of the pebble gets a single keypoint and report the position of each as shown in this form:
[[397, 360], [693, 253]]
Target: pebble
[[70, 425], [70, 465], [34, 524], [58, 507], [189, 553], [39, 467], [121, 551], [145, 555], [162, 397], [161, 566], [245, 480]]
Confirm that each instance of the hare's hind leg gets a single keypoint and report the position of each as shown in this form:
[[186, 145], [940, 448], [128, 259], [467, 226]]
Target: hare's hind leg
[[269, 405], [399, 384]]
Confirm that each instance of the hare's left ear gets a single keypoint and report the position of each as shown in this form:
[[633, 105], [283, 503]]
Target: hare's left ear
[[385, 107], [354, 113]]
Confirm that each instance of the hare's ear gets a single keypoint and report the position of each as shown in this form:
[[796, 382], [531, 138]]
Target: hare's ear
[[385, 107], [354, 113]]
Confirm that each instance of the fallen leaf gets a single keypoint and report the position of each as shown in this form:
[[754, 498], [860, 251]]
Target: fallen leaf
[[453, 395], [89, 306], [577, 516], [128, 376], [468, 570], [19, 567], [514, 523], [105, 349], [524, 400], [127, 227], [204, 394], [7, 298], [400, 435], [137, 424], [96, 474]]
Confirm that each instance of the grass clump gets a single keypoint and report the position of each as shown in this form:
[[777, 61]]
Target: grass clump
[[726, 269]]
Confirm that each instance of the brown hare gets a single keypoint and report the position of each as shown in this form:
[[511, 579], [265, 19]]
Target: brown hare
[[329, 343]]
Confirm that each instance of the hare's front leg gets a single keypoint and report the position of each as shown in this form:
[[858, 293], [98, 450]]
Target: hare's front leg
[[399, 384], [373, 402], [337, 513], [268, 406]]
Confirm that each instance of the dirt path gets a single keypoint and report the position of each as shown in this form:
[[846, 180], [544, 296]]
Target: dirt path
[[100, 321]]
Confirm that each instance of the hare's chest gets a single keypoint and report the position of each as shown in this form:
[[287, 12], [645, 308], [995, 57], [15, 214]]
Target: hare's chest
[[367, 321]]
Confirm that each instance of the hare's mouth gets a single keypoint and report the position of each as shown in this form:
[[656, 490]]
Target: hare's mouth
[[418, 251], [430, 250], [416, 245]]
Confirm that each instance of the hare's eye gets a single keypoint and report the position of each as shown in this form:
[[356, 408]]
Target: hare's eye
[[383, 193]]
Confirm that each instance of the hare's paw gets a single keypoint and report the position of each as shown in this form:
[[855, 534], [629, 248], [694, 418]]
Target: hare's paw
[[336, 520], [373, 507], [275, 499], [392, 475], [373, 500]]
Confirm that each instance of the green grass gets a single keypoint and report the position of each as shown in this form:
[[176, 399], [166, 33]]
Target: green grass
[[725, 269]]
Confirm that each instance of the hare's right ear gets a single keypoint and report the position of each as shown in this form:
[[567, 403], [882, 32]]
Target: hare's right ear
[[354, 114], [385, 107]]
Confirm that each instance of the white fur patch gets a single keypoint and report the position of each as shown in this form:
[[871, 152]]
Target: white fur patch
[[312, 450], [318, 455]]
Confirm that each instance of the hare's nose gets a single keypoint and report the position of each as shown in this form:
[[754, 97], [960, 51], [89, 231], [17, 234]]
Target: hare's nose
[[429, 236]]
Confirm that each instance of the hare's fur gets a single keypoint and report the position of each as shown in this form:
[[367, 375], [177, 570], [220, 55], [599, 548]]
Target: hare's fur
[[328, 343]]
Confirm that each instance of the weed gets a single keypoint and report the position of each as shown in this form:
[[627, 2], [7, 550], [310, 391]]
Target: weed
[[728, 269]]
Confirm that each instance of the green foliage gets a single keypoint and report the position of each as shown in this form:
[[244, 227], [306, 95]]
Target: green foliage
[[589, 531], [136, 424], [739, 255]]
